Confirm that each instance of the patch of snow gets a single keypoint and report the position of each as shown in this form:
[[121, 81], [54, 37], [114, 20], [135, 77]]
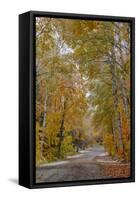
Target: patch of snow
[[107, 161], [83, 151], [104, 154], [75, 156], [54, 163]]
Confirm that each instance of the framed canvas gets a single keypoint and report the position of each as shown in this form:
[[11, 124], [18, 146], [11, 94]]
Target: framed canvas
[[76, 99]]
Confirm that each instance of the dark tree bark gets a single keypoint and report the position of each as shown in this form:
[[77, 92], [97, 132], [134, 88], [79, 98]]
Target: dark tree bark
[[61, 131]]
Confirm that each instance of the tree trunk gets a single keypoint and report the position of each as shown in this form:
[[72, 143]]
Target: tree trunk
[[117, 123], [121, 146], [61, 132], [123, 89], [43, 126], [114, 136], [115, 92]]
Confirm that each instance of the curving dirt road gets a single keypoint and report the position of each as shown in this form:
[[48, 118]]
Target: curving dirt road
[[78, 167]]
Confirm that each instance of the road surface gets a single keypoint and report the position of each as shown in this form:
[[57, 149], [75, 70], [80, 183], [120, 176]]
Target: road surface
[[77, 167]]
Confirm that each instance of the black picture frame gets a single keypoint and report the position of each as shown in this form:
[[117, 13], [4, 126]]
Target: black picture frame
[[27, 98]]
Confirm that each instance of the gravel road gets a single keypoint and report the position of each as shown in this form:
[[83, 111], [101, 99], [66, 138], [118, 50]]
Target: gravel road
[[77, 167]]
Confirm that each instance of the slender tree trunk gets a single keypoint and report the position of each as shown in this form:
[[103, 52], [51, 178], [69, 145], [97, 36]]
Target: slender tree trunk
[[115, 90], [45, 110], [114, 136], [43, 126], [117, 123], [123, 89], [120, 134], [61, 132], [125, 105], [61, 135]]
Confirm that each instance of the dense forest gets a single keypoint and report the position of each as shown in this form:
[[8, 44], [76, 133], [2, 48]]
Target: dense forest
[[82, 87]]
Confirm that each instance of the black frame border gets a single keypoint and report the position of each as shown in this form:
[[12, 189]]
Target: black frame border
[[32, 77]]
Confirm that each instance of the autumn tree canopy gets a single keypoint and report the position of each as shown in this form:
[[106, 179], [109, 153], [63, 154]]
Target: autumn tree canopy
[[82, 87]]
